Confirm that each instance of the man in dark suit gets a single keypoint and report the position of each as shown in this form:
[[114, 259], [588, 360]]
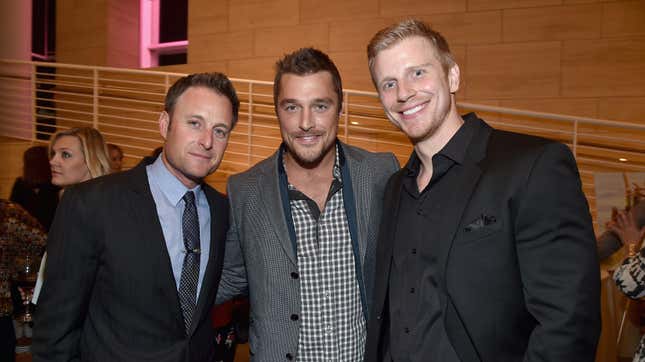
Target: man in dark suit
[[486, 251], [134, 258]]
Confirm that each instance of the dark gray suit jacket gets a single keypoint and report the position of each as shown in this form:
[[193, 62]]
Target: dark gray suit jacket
[[109, 292], [260, 251]]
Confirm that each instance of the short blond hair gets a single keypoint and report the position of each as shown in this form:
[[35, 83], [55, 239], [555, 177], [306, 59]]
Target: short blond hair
[[394, 33], [93, 146]]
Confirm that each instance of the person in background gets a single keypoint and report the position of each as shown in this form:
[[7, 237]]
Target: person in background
[[76, 155], [486, 251], [116, 157], [304, 223], [34, 190], [630, 275], [21, 236], [135, 257]]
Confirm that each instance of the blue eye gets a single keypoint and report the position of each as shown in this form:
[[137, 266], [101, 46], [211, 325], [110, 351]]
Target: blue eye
[[388, 85], [320, 107], [65, 154], [290, 107], [220, 133]]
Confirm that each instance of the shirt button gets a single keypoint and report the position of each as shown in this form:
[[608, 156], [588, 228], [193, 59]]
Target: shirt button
[[294, 317], [294, 275], [327, 294], [328, 329], [289, 356]]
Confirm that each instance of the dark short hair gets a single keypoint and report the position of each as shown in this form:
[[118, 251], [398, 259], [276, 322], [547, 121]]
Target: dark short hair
[[394, 33], [306, 61], [214, 81]]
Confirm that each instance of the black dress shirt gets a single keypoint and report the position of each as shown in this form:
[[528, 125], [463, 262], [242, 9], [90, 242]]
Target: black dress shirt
[[416, 328]]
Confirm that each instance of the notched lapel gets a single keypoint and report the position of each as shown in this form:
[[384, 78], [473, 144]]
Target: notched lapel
[[143, 207], [271, 198], [467, 177], [360, 175]]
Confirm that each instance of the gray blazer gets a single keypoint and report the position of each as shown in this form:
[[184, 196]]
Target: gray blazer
[[260, 257]]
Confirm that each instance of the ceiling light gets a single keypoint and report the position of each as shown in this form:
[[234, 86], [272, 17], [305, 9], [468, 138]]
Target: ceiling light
[[622, 159], [354, 122]]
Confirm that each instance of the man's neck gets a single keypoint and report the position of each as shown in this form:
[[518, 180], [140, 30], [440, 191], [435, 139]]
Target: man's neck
[[312, 180], [430, 146]]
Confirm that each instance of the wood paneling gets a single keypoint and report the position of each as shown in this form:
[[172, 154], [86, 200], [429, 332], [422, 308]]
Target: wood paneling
[[207, 17], [623, 18], [281, 40], [468, 28], [596, 68], [314, 11], [508, 4], [418, 7], [244, 14], [518, 70], [220, 46], [553, 23]]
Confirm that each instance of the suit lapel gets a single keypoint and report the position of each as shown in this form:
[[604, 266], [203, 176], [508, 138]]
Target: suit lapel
[[143, 208], [272, 198], [359, 173], [219, 220], [465, 181]]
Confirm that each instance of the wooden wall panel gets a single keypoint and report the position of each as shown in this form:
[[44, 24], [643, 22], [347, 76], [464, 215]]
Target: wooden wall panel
[[245, 14], [623, 18], [553, 23], [518, 70], [625, 109], [417, 7], [220, 46], [613, 67], [314, 11], [353, 35], [278, 41], [207, 17], [468, 28], [508, 4]]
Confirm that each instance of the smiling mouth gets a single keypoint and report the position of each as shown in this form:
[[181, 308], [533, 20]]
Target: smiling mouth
[[413, 110]]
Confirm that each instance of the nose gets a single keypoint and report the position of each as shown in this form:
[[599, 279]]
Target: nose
[[53, 160], [404, 92], [206, 139], [306, 120]]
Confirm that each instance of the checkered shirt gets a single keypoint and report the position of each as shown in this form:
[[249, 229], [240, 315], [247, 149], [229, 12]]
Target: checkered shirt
[[332, 322]]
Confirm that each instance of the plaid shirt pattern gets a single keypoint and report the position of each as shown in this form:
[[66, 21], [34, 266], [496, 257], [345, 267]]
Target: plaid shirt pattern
[[332, 324]]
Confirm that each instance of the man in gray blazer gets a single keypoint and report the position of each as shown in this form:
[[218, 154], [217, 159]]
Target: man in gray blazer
[[304, 225]]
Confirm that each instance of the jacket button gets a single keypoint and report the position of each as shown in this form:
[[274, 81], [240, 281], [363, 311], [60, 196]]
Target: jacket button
[[289, 356], [294, 317], [379, 317], [294, 275]]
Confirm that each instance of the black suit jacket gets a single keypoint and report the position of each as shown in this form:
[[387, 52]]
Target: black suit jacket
[[109, 291], [518, 255]]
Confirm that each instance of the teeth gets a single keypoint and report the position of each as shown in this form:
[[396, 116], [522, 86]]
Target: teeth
[[413, 110]]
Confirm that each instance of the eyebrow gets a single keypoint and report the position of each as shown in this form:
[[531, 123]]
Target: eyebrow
[[316, 100]]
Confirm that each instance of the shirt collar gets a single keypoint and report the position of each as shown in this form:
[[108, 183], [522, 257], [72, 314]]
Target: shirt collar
[[339, 161], [169, 185], [455, 149]]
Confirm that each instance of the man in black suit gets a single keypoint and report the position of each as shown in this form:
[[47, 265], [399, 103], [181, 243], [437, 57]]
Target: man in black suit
[[134, 258], [486, 251]]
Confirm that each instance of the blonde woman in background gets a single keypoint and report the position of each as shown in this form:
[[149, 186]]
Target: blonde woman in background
[[75, 155]]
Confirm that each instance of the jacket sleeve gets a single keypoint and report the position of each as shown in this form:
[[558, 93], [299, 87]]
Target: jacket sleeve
[[68, 281], [233, 282], [558, 260]]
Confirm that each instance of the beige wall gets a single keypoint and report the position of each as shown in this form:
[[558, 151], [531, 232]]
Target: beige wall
[[575, 57], [580, 57]]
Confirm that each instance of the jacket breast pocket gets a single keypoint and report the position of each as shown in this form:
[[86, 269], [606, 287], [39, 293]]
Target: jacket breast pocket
[[479, 228]]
